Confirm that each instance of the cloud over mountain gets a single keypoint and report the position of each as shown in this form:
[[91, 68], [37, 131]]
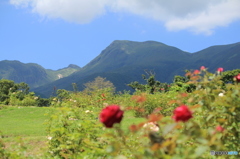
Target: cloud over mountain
[[198, 16]]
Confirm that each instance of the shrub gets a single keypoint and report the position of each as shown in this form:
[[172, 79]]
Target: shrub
[[212, 123], [75, 132]]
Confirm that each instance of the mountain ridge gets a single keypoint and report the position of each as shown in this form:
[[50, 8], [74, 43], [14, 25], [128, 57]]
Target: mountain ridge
[[124, 61], [31, 73], [128, 60]]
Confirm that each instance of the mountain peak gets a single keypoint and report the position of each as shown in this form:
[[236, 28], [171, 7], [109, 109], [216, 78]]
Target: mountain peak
[[135, 42], [73, 66]]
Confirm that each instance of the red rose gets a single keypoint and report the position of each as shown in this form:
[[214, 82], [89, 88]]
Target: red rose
[[110, 115], [202, 68], [182, 113], [196, 72], [220, 69], [219, 128], [237, 78]]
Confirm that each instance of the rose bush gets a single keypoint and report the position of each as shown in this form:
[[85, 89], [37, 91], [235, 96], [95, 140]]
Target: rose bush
[[214, 126], [180, 123]]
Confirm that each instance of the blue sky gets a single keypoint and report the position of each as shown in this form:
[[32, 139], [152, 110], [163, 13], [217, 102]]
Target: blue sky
[[56, 33]]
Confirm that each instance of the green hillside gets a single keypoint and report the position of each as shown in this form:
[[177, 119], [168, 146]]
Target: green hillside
[[32, 74], [125, 61]]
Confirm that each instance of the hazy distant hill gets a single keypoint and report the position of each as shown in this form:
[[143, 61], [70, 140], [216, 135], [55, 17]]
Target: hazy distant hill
[[32, 74], [124, 61]]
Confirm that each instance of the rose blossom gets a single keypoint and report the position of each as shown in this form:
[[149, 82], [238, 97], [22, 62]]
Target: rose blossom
[[153, 126], [219, 128], [182, 113], [202, 68], [220, 69], [237, 78], [110, 115], [196, 72]]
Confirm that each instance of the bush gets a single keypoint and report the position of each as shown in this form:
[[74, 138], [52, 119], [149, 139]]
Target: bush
[[188, 121], [75, 132]]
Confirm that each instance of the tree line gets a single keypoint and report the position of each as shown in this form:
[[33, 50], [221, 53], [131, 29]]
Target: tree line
[[15, 94]]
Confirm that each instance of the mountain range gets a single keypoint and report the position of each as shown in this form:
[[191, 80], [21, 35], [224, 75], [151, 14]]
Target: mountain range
[[33, 74], [125, 61]]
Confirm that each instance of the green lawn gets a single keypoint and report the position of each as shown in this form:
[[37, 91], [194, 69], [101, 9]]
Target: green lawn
[[23, 121], [129, 119], [24, 125], [27, 124], [29, 121]]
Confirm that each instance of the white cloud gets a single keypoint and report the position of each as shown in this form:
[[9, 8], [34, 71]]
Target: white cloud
[[221, 14], [199, 16], [79, 11]]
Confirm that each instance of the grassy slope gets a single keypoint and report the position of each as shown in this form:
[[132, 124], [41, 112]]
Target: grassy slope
[[53, 75], [29, 121], [28, 124], [24, 125], [24, 121]]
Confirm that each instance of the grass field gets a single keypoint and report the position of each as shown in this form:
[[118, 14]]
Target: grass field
[[23, 121], [26, 125]]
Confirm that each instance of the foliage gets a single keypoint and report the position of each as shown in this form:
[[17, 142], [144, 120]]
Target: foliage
[[177, 123], [75, 133], [153, 103], [6, 86], [62, 94], [43, 102], [99, 83], [180, 83], [17, 94], [215, 124], [23, 89], [227, 76], [152, 84]]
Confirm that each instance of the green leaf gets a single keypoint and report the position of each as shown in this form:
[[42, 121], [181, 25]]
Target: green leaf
[[168, 128], [200, 150], [120, 157], [209, 117]]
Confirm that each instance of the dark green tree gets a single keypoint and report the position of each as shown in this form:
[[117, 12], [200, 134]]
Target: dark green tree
[[181, 82], [152, 84], [75, 87], [23, 89], [227, 76], [182, 79], [62, 94], [43, 102], [6, 86]]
